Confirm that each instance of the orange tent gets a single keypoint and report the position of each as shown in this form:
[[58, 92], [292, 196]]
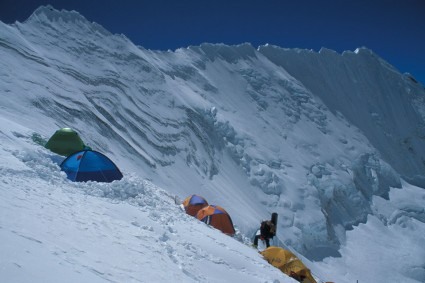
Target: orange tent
[[217, 217], [288, 263], [193, 204]]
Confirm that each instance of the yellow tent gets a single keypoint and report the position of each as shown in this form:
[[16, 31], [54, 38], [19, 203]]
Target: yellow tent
[[288, 263]]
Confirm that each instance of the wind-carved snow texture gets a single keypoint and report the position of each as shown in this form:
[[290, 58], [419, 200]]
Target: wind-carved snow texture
[[371, 94], [279, 130]]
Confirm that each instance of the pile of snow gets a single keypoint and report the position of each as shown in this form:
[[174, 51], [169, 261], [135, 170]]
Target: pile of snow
[[325, 140]]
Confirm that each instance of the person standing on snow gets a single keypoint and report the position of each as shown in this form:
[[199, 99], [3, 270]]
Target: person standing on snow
[[267, 231]]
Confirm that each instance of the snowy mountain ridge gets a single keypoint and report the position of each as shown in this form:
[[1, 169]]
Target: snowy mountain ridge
[[321, 138]]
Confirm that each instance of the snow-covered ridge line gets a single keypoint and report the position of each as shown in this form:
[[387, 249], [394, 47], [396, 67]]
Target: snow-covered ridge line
[[45, 14]]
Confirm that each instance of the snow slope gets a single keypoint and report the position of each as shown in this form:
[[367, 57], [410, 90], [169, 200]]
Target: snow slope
[[53, 230], [326, 140]]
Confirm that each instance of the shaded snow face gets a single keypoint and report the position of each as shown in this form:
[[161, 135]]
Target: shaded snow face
[[371, 94], [307, 135]]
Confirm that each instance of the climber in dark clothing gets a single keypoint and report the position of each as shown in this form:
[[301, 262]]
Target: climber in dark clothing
[[267, 231]]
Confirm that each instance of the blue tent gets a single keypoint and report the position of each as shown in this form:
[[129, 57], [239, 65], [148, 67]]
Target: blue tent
[[88, 165]]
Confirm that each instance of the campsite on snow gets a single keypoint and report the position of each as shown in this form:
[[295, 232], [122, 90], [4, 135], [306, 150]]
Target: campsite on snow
[[122, 164]]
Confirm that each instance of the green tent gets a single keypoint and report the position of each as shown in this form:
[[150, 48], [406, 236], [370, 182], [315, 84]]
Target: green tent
[[65, 142]]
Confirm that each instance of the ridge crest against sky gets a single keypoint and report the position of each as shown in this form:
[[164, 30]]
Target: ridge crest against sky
[[393, 29]]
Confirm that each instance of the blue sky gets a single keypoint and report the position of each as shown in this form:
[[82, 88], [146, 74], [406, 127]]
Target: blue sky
[[394, 29]]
